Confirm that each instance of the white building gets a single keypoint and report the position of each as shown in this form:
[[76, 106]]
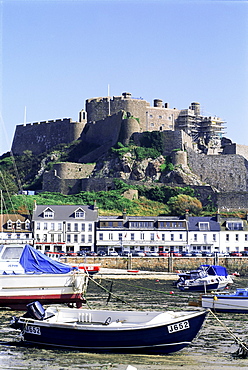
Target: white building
[[15, 228], [234, 234], [64, 228]]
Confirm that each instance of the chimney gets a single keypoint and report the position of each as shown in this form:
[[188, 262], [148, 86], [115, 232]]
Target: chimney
[[95, 208], [218, 216], [186, 214], [124, 214]]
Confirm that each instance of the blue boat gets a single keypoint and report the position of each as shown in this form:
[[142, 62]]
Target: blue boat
[[109, 331], [205, 278], [236, 302]]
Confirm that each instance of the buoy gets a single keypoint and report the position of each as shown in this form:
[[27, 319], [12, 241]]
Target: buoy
[[171, 292]]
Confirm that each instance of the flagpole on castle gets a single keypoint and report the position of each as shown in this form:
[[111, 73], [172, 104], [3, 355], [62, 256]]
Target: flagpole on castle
[[108, 100]]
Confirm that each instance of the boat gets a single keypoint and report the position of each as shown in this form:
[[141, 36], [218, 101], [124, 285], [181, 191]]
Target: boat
[[236, 301], [205, 278], [27, 275], [108, 331]]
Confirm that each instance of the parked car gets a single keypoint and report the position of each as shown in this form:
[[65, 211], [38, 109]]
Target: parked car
[[126, 253], [113, 254], [222, 254], [81, 253], [71, 254], [207, 254], [139, 254], [235, 254], [196, 254], [244, 253], [152, 254], [101, 253], [176, 254], [186, 254], [164, 254], [91, 253]]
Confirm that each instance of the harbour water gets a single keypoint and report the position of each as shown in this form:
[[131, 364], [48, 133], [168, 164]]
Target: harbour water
[[213, 349]]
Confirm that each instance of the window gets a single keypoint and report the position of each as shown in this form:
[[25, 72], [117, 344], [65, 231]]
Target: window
[[246, 237], [75, 227], [18, 224], [227, 237], [172, 237], [48, 213], [27, 236], [181, 236], [110, 236], [142, 236], [195, 237], [59, 238], [75, 238], [59, 226], [79, 213], [214, 237], [132, 236], [234, 225], [52, 226], [82, 227], [38, 226], [9, 236], [38, 237], [152, 236], [120, 236], [68, 227], [90, 239], [68, 238], [45, 225], [90, 227], [237, 237], [205, 238], [52, 238], [45, 238], [9, 224], [203, 226], [83, 238], [163, 237], [27, 225], [101, 236]]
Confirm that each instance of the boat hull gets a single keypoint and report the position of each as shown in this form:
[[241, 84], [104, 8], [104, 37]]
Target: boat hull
[[156, 339], [198, 288], [16, 291], [219, 303]]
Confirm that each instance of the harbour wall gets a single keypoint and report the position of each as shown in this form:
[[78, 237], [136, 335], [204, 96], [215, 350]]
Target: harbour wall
[[165, 264]]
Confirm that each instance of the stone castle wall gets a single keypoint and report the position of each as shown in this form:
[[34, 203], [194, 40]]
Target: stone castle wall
[[224, 172], [236, 149], [40, 137]]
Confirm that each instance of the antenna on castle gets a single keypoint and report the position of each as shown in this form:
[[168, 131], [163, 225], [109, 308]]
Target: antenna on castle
[[25, 115], [109, 100]]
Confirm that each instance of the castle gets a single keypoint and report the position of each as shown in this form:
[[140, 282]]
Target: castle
[[218, 163]]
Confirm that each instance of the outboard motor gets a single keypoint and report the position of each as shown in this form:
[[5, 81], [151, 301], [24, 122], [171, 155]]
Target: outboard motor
[[36, 310]]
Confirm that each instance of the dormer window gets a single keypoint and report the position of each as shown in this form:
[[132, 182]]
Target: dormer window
[[18, 224], [27, 225], [234, 225], [9, 224], [203, 225], [79, 213], [48, 213]]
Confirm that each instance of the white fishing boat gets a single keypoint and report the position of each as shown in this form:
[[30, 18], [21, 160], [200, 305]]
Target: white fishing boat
[[27, 275], [236, 302], [205, 278], [109, 331]]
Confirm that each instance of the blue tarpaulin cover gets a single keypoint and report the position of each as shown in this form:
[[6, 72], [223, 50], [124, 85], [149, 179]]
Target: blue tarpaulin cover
[[35, 262], [216, 270]]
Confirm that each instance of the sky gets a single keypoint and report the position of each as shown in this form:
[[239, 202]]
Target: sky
[[55, 54]]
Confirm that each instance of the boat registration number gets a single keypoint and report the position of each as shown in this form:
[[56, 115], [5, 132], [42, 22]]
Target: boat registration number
[[179, 326], [32, 330]]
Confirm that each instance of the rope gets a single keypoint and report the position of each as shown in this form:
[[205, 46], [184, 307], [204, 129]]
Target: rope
[[244, 347], [112, 294]]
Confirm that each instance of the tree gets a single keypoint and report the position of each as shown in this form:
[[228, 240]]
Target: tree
[[181, 202]]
